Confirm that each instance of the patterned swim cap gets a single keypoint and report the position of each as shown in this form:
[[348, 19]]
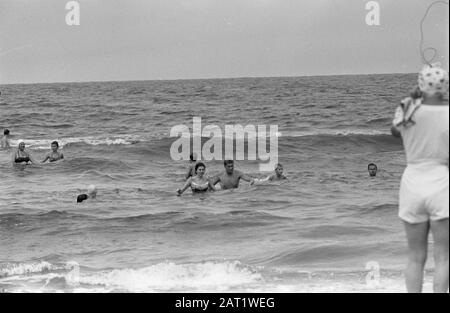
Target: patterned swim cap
[[433, 80]]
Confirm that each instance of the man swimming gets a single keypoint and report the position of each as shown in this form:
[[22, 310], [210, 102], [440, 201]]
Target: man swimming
[[278, 174], [373, 169], [21, 156], [54, 155], [230, 178], [199, 183], [4, 142], [92, 194]]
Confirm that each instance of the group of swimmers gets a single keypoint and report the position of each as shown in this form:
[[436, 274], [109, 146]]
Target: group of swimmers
[[198, 181], [23, 157], [422, 121]]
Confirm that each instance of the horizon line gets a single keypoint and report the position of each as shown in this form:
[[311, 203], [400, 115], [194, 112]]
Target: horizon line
[[203, 78]]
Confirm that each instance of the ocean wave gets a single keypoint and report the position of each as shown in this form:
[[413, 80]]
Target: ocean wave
[[165, 140], [161, 277], [335, 133], [8, 270], [344, 255], [198, 221], [44, 144], [207, 276], [169, 277]]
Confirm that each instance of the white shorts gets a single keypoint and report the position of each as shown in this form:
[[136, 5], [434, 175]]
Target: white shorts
[[424, 193]]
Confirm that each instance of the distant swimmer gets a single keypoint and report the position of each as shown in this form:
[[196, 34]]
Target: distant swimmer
[[92, 194], [278, 174], [373, 169], [230, 178], [4, 142], [422, 121], [198, 183], [191, 170], [54, 155], [21, 156]]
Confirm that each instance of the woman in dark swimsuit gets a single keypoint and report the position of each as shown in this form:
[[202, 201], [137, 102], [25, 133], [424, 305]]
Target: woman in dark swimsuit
[[199, 183], [21, 156]]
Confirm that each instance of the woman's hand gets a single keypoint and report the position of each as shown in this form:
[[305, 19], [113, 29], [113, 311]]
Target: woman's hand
[[416, 93]]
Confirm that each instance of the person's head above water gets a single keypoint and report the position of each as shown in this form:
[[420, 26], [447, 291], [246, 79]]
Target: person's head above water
[[21, 145], [6, 132], [92, 191], [373, 169], [229, 166], [279, 170], [200, 169], [55, 146], [433, 81]]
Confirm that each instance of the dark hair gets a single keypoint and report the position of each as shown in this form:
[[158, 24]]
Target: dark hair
[[226, 162], [55, 143], [6, 132], [200, 164], [372, 164], [278, 165]]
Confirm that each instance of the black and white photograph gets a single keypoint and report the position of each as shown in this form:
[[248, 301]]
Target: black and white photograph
[[255, 147]]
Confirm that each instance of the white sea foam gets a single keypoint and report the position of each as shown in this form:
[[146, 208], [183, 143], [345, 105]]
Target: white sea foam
[[176, 277], [26, 268], [44, 144]]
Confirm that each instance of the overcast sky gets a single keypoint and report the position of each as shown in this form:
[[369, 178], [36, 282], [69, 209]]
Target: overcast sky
[[178, 39]]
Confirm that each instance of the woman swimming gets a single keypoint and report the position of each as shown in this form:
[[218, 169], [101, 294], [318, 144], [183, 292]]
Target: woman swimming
[[54, 155], [198, 183], [21, 156]]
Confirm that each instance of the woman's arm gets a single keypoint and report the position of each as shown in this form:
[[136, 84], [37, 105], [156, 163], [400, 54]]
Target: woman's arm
[[13, 158], [396, 132], [186, 186], [189, 173], [213, 182], [46, 158], [32, 160]]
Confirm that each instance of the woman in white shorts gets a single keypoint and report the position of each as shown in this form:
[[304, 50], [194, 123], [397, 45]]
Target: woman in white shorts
[[423, 123]]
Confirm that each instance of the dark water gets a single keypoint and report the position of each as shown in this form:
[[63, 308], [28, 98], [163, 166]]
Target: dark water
[[315, 232]]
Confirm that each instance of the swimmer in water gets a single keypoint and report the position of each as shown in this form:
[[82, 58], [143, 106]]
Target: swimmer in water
[[278, 174], [4, 142], [230, 178], [199, 183], [373, 169], [191, 170], [22, 157], [54, 155], [92, 194]]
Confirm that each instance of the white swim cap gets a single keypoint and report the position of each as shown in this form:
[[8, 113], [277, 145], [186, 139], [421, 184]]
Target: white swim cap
[[92, 189], [433, 80]]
